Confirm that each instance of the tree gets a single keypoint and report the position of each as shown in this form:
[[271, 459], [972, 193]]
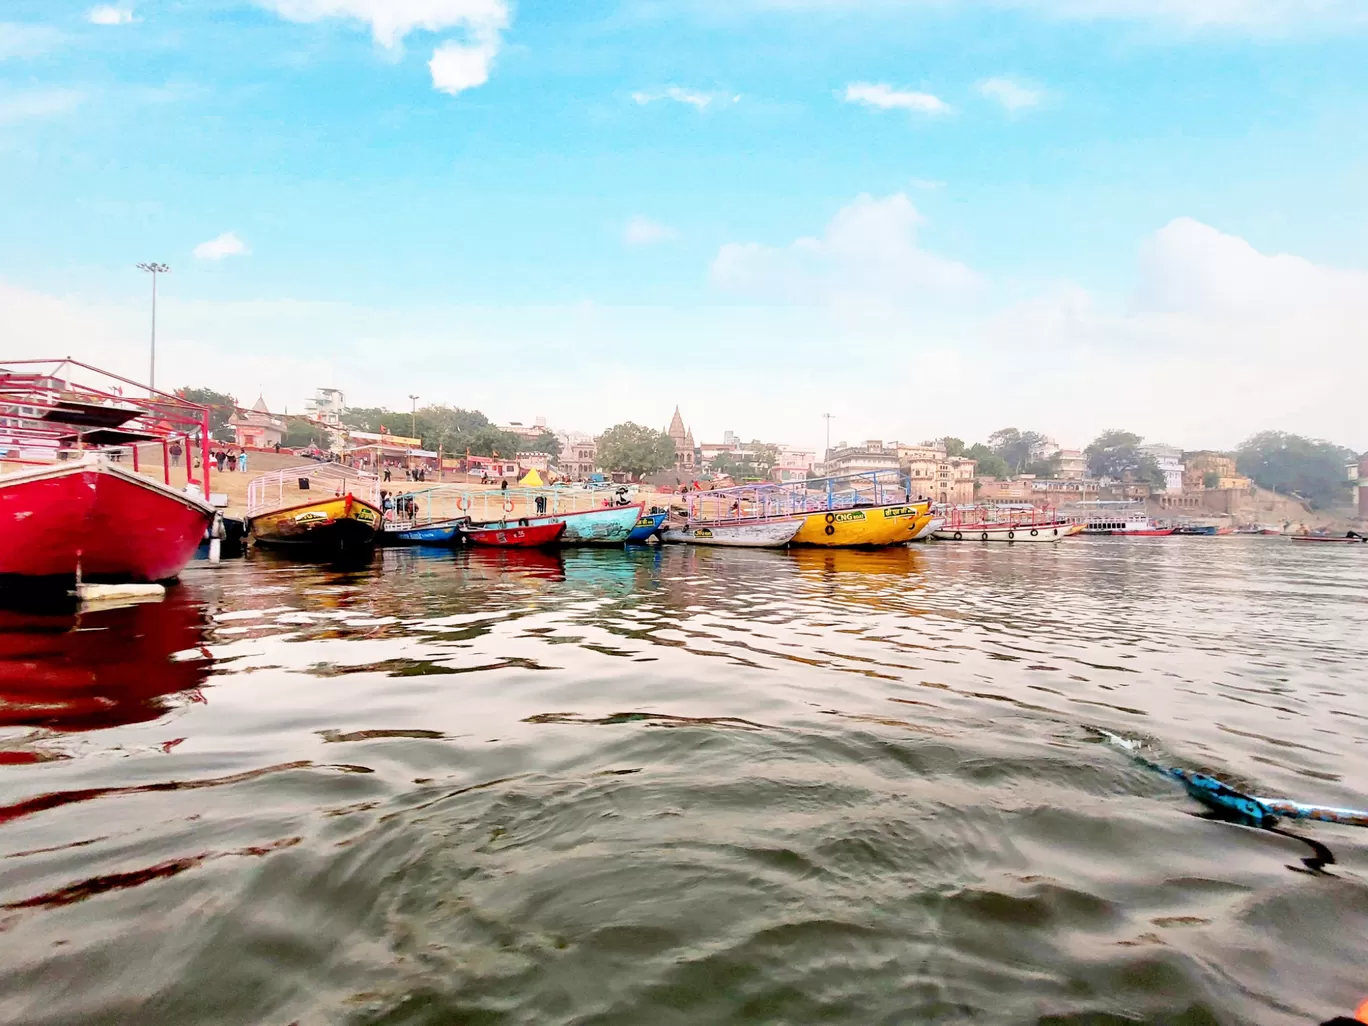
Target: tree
[[1211, 479], [221, 407], [765, 458], [1306, 468], [632, 449], [1048, 467], [490, 441], [546, 442], [953, 446], [1017, 448], [1116, 454], [990, 464], [369, 418], [300, 433]]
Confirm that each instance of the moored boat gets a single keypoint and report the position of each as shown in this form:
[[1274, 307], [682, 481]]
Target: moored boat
[[279, 515], [1347, 539], [69, 507], [926, 531], [871, 527], [647, 525], [608, 525], [773, 534], [514, 536], [1121, 518], [438, 532], [998, 532]]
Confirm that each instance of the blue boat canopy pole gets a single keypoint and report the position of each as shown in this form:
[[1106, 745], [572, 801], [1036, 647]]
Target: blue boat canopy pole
[[1215, 794]]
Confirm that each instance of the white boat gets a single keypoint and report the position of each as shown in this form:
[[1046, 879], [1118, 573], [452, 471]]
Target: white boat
[[927, 530], [991, 532], [772, 534]]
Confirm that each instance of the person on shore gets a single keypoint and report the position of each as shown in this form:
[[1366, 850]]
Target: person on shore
[[503, 485], [387, 474], [220, 457], [242, 462], [175, 452]]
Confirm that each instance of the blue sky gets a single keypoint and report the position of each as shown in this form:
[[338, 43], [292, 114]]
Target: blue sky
[[924, 216]]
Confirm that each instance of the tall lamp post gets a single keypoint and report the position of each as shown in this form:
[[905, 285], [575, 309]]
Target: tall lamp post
[[154, 270], [827, 455]]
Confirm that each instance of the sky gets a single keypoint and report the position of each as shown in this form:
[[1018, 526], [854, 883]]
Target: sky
[[924, 217]]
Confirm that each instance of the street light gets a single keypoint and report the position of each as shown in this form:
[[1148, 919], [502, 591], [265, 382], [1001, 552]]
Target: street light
[[154, 270], [413, 424]]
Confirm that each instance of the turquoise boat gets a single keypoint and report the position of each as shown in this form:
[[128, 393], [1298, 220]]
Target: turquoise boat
[[610, 525], [646, 526]]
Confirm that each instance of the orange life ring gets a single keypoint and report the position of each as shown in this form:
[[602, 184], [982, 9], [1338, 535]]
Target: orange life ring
[[463, 503], [508, 505]]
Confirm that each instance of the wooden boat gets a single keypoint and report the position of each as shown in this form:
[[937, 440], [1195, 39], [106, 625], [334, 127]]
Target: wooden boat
[[1348, 539], [608, 525], [773, 534], [647, 525], [71, 507], [927, 530], [1051, 531], [438, 532], [872, 527], [514, 536], [280, 516]]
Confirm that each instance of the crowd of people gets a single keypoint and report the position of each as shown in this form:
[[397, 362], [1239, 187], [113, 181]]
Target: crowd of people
[[229, 458]]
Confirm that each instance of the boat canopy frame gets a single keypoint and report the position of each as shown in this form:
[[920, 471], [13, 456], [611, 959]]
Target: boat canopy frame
[[792, 498], [59, 406]]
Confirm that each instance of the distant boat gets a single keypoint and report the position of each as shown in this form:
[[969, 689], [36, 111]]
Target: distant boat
[[439, 532], [774, 534], [1349, 538], [646, 526], [515, 536]]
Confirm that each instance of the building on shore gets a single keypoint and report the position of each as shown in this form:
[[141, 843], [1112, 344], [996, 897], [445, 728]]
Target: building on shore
[[257, 428], [683, 440], [579, 458], [1359, 475], [855, 459], [936, 475], [1170, 462], [529, 431], [327, 406], [1213, 470], [793, 464], [1073, 464]]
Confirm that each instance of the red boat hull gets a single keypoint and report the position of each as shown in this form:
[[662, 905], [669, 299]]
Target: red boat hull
[[534, 536], [110, 522]]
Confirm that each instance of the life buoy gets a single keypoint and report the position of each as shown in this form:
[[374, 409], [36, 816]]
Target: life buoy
[[831, 518], [829, 528], [463, 503], [1011, 535], [985, 536], [1034, 533], [1056, 531], [959, 536], [508, 505]]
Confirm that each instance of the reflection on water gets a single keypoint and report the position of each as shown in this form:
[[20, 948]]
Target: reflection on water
[[689, 785]]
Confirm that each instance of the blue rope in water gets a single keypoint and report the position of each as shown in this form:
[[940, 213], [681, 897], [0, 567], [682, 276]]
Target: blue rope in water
[[1218, 795]]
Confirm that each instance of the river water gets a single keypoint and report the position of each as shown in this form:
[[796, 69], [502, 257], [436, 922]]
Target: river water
[[690, 786]]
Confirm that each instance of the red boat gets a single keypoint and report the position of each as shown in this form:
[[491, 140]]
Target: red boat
[[533, 536], [67, 507]]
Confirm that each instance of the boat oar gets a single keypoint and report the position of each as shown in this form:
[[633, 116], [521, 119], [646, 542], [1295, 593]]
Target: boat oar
[[1216, 794]]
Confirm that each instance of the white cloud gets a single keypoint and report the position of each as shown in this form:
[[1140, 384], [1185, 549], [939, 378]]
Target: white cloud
[[1012, 94], [642, 231], [869, 251], [108, 14], [691, 97], [885, 97], [226, 245], [22, 39], [29, 104], [455, 65]]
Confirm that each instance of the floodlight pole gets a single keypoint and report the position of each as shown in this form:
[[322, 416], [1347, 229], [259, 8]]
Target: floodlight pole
[[153, 269]]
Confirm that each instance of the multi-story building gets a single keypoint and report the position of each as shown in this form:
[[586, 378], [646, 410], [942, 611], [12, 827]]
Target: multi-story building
[[935, 475], [327, 406], [1073, 464], [683, 442], [1214, 469], [855, 459], [579, 459], [1170, 461], [530, 431], [793, 464]]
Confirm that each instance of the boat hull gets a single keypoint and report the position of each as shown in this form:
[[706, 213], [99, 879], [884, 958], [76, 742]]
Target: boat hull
[[646, 525], [762, 535], [608, 526], [111, 523], [516, 536], [867, 527], [1326, 538], [928, 530], [336, 524], [442, 532], [1005, 532]]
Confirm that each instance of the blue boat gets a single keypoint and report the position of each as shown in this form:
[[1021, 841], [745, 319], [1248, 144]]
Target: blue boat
[[439, 532], [646, 526]]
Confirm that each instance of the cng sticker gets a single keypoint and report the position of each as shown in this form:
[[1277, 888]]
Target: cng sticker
[[845, 518]]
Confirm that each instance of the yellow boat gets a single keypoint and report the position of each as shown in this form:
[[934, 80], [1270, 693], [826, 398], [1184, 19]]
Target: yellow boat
[[282, 512], [868, 527]]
